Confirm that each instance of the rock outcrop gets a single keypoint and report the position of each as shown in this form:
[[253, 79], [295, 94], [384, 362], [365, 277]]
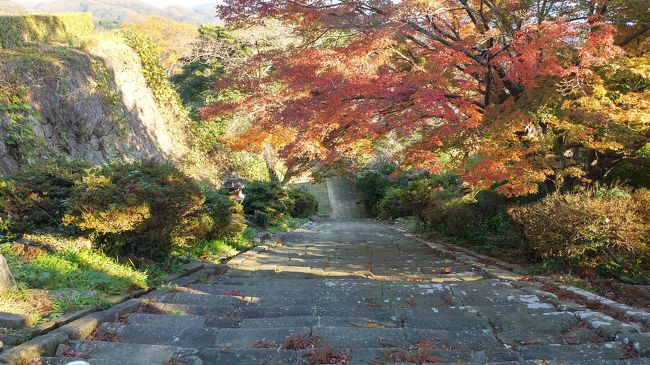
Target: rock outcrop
[[92, 104]]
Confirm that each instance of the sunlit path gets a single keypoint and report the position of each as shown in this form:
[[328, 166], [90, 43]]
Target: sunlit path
[[350, 291]]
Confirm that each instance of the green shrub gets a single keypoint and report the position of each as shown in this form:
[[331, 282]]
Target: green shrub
[[418, 196], [482, 221], [304, 205], [19, 29], [227, 216], [136, 208], [373, 187], [32, 199], [269, 198], [603, 229], [441, 206], [630, 174]]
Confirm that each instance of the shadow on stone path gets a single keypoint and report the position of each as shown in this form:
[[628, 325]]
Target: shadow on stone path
[[360, 293]]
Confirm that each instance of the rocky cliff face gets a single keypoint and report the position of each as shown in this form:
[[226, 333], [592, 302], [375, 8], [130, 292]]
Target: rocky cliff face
[[93, 105]]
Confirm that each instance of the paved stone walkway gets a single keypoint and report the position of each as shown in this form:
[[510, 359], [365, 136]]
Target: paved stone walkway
[[348, 292]]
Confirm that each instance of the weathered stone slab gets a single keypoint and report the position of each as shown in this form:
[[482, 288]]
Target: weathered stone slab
[[198, 338], [15, 321], [605, 351], [166, 320], [131, 354], [356, 337], [251, 356], [246, 338], [7, 281]]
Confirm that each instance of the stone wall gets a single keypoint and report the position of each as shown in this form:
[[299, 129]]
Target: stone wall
[[93, 105]]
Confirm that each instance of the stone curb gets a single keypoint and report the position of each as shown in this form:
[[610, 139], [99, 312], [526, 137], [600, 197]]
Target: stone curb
[[627, 333], [81, 324]]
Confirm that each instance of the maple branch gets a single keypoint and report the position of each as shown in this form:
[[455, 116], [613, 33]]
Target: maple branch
[[644, 28], [318, 37], [472, 16]]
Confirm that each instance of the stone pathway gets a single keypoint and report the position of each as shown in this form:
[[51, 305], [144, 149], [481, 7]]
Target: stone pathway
[[348, 292]]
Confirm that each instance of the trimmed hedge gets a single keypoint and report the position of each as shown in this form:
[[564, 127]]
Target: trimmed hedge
[[33, 198], [19, 29], [141, 208], [269, 198], [269, 203], [304, 204]]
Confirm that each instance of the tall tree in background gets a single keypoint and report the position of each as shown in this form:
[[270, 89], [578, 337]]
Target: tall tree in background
[[239, 61], [518, 92]]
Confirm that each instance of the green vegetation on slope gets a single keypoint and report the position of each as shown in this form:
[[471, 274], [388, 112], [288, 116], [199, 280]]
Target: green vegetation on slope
[[19, 29]]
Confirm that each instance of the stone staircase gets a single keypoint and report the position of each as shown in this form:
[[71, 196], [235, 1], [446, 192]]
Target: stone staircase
[[347, 292]]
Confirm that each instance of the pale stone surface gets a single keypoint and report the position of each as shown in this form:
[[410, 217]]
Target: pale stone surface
[[7, 281]]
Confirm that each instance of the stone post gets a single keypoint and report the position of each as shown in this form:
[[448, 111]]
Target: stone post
[[6, 279]]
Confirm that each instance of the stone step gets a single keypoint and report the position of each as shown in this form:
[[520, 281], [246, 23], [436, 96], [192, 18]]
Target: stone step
[[128, 354], [190, 337], [476, 340], [166, 320], [67, 360], [456, 323], [430, 355], [295, 292], [188, 309], [357, 356], [248, 338], [366, 356], [531, 337], [583, 352], [292, 321], [202, 299], [251, 356]]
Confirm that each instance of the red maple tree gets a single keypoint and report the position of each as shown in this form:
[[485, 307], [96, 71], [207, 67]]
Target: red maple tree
[[499, 91]]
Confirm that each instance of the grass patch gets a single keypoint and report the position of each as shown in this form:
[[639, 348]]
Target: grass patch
[[217, 249], [83, 270], [54, 283], [286, 224]]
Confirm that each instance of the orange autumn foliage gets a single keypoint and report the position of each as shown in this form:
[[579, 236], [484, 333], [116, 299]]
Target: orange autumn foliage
[[517, 91]]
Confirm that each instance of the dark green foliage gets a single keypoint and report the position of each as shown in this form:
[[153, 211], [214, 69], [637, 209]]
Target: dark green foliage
[[227, 216], [32, 199], [143, 208], [482, 221], [373, 187], [135, 208], [269, 198], [442, 205], [195, 82], [268, 203], [419, 195], [260, 219], [630, 174], [304, 204]]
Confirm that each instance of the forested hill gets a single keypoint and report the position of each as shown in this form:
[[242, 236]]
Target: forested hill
[[10, 7], [130, 10]]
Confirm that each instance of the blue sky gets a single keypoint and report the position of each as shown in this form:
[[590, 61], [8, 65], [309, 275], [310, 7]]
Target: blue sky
[[159, 3]]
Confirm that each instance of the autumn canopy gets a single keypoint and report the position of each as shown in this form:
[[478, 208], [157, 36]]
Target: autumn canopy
[[511, 92]]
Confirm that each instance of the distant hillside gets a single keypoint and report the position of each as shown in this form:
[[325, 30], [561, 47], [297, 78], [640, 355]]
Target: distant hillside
[[129, 10], [10, 7]]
